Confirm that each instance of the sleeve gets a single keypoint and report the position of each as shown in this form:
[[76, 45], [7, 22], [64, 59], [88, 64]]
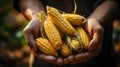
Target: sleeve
[[100, 1], [97, 3], [15, 4]]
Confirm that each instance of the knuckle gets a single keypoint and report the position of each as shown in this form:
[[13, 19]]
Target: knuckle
[[25, 31]]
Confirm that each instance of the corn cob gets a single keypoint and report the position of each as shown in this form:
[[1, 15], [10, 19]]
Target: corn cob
[[65, 50], [57, 18], [74, 19], [75, 45], [84, 36], [53, 34], [45, 46], [42, 19]]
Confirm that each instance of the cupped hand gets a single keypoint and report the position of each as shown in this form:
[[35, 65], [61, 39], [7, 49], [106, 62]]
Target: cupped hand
[[50, 59], [32, 31], [94, 47]]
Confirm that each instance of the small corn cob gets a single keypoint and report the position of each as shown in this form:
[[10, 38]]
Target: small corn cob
[[42, 18], [53, 34], [84, 36], [74, 19], [75, 44], [45, 46], [57, 18], [65, 50]]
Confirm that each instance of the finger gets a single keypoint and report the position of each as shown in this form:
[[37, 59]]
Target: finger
[[59, 61], [41, 56], [30, 41], [95, 42], [35, 28], [46, 58], [82, 57], [51, 59], [65, 61], [71, 59], [87, 24]]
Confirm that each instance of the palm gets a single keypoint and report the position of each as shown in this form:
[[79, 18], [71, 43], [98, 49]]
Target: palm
[[96, 32]]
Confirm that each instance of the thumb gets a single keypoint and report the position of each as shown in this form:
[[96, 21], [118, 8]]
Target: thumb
[[95, 42], [31, 42]]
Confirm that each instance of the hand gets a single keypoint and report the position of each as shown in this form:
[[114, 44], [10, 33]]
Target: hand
[[32, 31], [50, 59], [96, 32]]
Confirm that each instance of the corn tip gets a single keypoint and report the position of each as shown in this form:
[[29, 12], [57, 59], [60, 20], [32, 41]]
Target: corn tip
[[56, 54], [48, 8]]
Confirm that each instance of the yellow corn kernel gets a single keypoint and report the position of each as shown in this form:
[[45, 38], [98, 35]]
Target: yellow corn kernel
[[53, 34], [84, 36], [65, 50], [75, 45], [57, 18], [42, 18], [45, 46], [74, 19]]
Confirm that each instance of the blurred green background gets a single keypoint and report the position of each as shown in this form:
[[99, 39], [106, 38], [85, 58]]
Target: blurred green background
[[13, 49]]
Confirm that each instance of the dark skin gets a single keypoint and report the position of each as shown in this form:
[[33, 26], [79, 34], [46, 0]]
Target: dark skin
[[94, 25]]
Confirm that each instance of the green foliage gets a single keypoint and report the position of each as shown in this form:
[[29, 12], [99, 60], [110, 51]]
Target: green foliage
[[11, 35]]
